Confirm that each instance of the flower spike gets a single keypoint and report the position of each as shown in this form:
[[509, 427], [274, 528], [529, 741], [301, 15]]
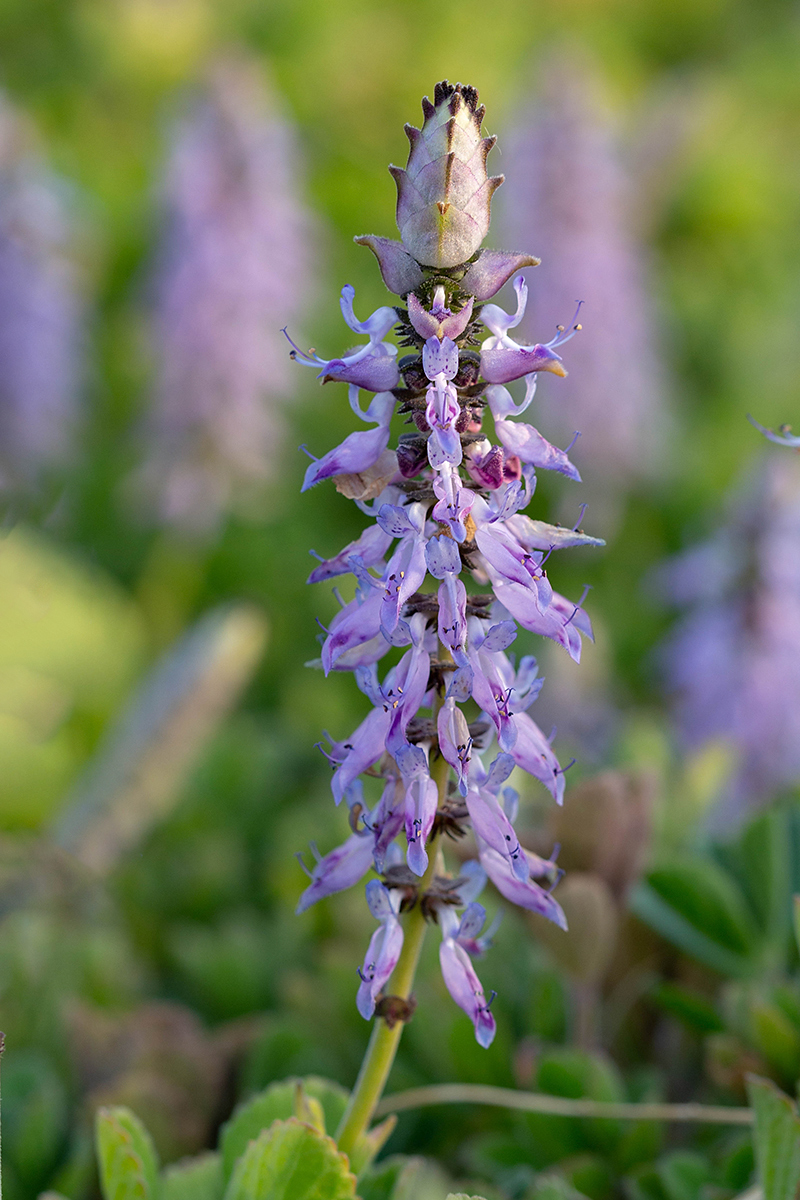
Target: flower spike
[[448, 505]]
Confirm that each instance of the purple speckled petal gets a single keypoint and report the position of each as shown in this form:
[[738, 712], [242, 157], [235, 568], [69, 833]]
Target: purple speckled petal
[[440, 358], [471, 923], [492, 825], [395, 520], [379, 901], [444, 446], [452, 621], [464, 986], [442, 557], [455, 742], [500, 636], [526, 894], [379, 962], [422, 797], [532, 752]]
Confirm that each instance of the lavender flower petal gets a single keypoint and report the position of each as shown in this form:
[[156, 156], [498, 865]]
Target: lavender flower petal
[[464, 986]]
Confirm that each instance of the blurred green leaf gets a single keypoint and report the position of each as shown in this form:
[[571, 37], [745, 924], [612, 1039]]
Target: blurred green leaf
[[761, 860], [137, 774], [195, 1179], [683, 1174], [291, 1161], [552, 1187], [776, 1038], [776, 1139], [277, 1102], [34, 1117], [696, 905], [378, 1183], [126, 1156], [692, 1009]]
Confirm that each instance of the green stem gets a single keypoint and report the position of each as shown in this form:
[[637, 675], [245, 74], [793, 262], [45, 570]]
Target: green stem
[[478, 1093], [384, 1041]]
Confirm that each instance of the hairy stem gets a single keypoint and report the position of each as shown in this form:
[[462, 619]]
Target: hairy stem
[[385, 1039]]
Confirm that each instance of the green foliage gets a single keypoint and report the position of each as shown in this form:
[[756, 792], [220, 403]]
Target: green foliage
[[730, 908], [35, 1116], [291, 1161], [126, 1156], [277, 1102], [195, 1179], [695, 904], [776, 1139]]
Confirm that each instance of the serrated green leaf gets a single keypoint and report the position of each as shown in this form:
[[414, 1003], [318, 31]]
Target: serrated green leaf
[[796, 915], [194, 1179], [277, 1103], [126, 1156], [291, 1161], [776, 1139]]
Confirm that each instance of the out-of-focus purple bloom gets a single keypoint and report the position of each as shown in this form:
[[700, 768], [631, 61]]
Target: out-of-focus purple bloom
[[455, 640], [571, 196], [233, 267], [41, 313], [733, 661]]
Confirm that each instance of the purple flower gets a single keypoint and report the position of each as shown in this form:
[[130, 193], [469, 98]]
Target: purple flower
[[572, 193], [372, 366], [41, 314], [458, 973], [733, 661], [384, 947], [233, 265], [454, 640], [359, 451]]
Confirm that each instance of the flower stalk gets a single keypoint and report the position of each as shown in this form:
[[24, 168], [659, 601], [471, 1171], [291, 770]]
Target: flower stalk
[[448, 572]]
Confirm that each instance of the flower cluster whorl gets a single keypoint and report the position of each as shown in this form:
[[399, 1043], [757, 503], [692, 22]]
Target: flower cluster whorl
[[447, 504]]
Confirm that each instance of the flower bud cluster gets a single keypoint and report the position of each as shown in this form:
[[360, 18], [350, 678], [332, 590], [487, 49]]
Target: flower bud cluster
[[449, 722]]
